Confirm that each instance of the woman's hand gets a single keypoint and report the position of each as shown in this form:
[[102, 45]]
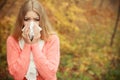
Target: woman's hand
[[26, 32]]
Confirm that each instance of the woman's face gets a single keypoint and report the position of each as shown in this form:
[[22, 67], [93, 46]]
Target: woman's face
[[31, 16]]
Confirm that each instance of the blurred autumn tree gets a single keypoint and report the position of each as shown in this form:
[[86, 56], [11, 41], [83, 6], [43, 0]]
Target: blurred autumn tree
[[85, 28]]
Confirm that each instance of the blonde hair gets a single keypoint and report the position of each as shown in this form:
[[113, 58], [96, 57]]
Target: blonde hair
[[35, 6]]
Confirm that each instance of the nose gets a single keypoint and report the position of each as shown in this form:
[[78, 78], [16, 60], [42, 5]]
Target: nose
[[31, 20]]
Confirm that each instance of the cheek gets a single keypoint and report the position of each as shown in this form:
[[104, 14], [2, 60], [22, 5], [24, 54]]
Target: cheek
[[25, 22]]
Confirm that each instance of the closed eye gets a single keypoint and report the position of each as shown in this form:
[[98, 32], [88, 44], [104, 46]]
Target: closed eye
[[36, 19], [26, 19]]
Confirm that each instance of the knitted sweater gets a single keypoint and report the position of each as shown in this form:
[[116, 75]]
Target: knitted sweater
[[46, 60]]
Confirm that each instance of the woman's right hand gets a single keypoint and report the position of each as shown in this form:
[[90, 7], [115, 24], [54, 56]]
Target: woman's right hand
[[25, 34]]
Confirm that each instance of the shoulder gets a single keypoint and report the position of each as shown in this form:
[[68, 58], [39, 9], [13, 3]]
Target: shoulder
[[52, 40], [53, 37], [11, 39]]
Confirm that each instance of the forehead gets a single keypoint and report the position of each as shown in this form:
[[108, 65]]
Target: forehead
[[31, 14]]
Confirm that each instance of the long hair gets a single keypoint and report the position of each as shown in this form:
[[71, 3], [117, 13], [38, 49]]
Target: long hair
[[35, 6]]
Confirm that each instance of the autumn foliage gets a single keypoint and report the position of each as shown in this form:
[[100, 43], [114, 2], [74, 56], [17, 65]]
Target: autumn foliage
[[84, 28]]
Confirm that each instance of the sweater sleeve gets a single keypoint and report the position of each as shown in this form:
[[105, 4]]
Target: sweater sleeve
[[17, 60], [47, 63]]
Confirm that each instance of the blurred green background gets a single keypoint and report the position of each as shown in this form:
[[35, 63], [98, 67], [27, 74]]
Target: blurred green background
[[85, 29]]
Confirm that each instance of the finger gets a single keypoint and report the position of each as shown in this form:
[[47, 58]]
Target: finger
[[26, 30], [27, 25], [23, 29], [38, 27], [37, 36], [23, 35]]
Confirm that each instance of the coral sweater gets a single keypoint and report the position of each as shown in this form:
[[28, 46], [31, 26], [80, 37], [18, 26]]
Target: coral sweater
[[46, 60]]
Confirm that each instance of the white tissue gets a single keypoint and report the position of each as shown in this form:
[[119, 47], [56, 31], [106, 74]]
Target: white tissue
[[31, 33]]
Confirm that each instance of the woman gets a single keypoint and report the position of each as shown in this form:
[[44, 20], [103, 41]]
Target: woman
[[33, 56]]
